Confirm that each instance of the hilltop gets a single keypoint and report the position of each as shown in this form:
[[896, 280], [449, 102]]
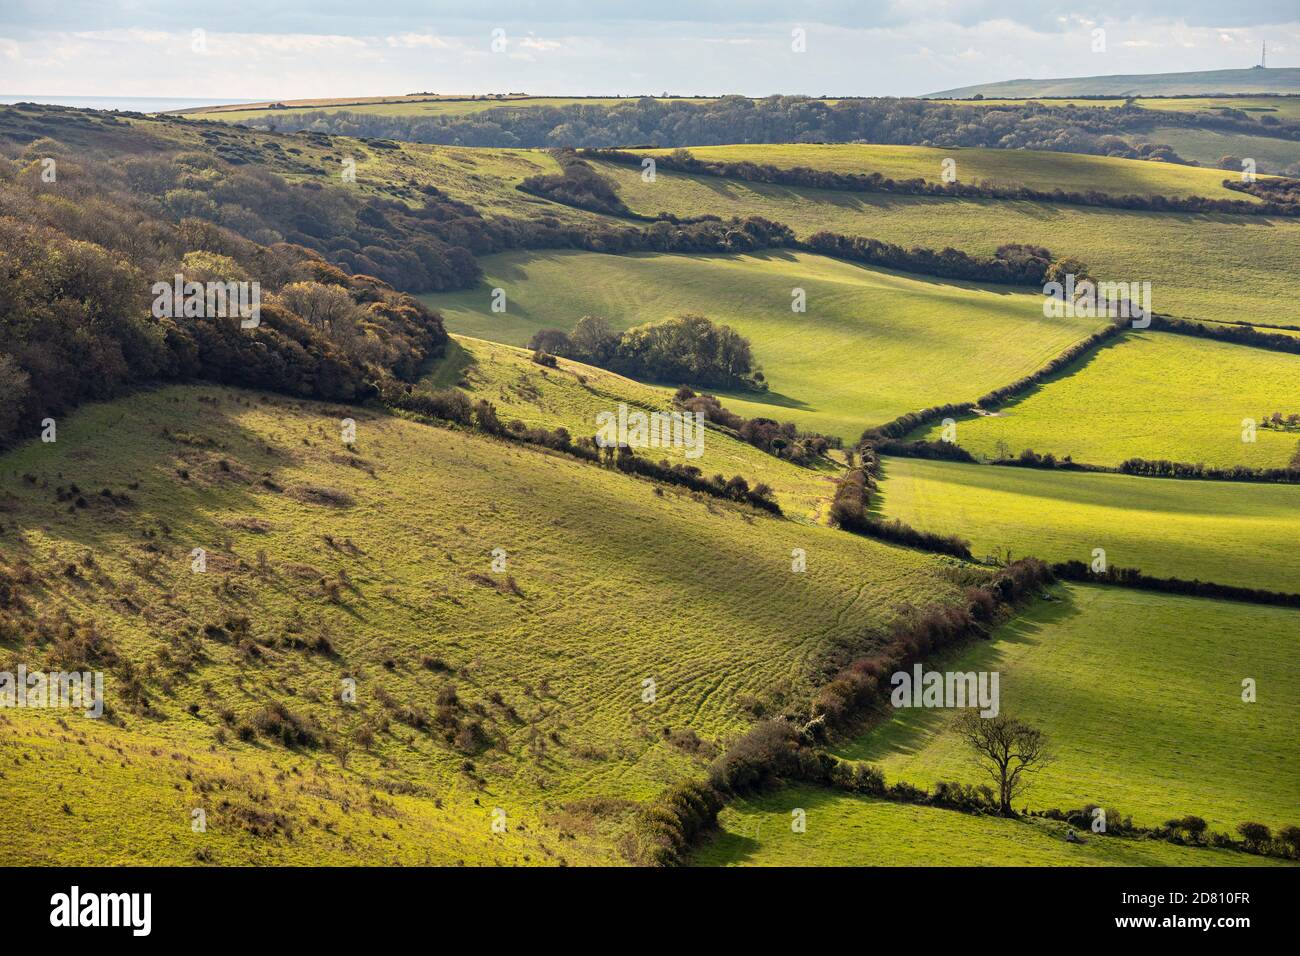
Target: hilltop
[[1202, 82]]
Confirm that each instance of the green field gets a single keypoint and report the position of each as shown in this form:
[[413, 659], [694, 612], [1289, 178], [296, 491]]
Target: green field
[[847, 830], [1272, 154], [1227, 532], [1200, 266], [1171, 396], [573, 394], [1072, 172], [872, 344], [1139, 695], [1284, 108], [380, 558]]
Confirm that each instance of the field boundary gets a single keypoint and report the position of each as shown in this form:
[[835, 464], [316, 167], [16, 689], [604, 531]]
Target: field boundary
[[804, 177], [791, 748]]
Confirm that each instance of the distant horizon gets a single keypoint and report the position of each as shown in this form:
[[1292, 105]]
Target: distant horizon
[[906, 48], [92, 101]]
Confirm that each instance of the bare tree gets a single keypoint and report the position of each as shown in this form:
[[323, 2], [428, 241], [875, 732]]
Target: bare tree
[[1007, 749]]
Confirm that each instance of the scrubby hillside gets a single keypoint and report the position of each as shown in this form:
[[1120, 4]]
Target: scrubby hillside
[[500, 609]]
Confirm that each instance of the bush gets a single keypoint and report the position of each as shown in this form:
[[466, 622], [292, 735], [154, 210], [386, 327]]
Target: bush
[[666, 828], [1256, 835]]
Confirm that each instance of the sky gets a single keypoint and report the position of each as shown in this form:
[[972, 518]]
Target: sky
[[289, 49]]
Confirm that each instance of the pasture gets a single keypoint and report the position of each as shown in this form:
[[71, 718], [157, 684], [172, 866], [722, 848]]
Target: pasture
[[1152, 395], [1140, 696], [849, 830], [871, 345], [573, 394], [1200, 266], [1228, 532], [1072, 172]]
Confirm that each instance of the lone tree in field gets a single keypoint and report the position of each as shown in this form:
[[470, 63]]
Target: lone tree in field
[[1007, 749]]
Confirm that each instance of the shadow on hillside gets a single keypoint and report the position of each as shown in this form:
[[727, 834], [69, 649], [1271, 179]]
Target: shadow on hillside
[[908, 731], [768, 820]]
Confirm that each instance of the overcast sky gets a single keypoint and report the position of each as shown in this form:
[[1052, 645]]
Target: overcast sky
[[284, 49]]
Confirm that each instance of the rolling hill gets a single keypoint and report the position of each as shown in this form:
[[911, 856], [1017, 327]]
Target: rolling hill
[[517, 687], [1202, 266], [1046, 171], [1204, 83], [850, 361], [572, 394]]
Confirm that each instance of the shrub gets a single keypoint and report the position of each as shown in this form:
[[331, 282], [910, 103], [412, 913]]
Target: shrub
[[1256, 835]]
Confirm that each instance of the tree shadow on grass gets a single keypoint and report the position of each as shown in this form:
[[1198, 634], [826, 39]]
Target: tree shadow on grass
[[909, 730]]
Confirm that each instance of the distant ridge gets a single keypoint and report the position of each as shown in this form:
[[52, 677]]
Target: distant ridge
[[1206, 82]]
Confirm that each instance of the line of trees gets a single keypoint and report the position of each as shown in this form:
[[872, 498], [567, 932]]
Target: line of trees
[[1011, 263], [1121, 131], [1133, 578], [1236, 334], [1163, 468]]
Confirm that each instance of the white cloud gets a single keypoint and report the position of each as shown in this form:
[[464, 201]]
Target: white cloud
[[411, 41], [533, 43]]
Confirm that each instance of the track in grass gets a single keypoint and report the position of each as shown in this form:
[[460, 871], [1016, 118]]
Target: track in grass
[[872, 345], [1152, 395], [1140, 696], [377, 564]]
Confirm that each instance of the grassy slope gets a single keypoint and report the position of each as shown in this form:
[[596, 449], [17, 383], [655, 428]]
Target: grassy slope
[[1140, 697], [1002, 167], [1283, 80], [873, 344], [1202, 266], [847, 830], [573, 394], [1206, 146], [617, 584], [1242, 534], [1171, 396]]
